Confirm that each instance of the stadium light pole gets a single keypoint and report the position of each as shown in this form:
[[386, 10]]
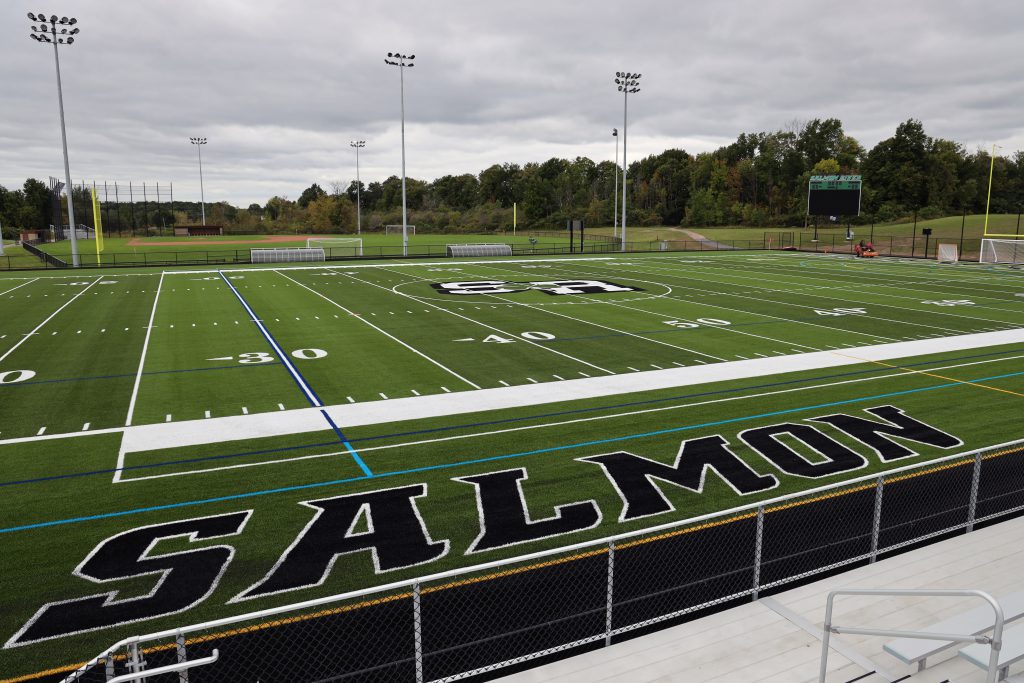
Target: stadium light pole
[[615, 211], [626, 83], [48, 32], [359, 221], [199, 142], [402, 62]]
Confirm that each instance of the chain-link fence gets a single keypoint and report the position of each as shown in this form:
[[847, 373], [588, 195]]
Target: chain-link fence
[[478, 621]]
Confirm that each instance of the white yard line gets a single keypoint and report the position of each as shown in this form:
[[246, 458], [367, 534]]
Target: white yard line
[[142, 356], [196, 432], [386, 334], [848, 289], [549, 311], [704, 280], [21, 285], [48, 319], [482, 324]]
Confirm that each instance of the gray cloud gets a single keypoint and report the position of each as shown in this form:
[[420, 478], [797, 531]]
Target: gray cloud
[[280, 88]]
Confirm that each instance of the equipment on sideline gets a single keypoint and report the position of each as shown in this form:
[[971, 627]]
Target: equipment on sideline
[[285, 255], [948, 253], [397, 229], [1002, 251], [478, 250], [355, 244]]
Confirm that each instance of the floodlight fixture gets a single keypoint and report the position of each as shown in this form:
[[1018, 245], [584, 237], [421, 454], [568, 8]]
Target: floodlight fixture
[[626, 83], [44, 33], [199, 142], [403, 62]]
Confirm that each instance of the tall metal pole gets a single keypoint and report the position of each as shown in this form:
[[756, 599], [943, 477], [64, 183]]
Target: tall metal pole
[[202, 191], [627, 83], [404, 61], [615, 212], [199, 142], [44, 34], [359, 210]]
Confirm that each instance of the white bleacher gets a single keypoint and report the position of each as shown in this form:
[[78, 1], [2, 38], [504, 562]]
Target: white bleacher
[[778, 639], [975, 621], [463, 250]]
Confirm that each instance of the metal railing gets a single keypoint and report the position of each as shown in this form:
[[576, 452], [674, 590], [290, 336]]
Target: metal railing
[[995, 640], [457, 624]]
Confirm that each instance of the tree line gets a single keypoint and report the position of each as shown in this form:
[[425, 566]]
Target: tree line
[[758, 180]]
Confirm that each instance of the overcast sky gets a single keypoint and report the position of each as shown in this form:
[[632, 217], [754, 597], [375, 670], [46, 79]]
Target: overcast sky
[[279, 88]]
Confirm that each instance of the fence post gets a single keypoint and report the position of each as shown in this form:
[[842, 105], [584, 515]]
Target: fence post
[[758, 541], [609, 594], [179, 642], [417, 621], [975, 482], [876, 522]]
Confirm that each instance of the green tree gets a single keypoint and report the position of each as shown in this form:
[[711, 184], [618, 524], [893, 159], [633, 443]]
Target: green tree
[[310, 194]]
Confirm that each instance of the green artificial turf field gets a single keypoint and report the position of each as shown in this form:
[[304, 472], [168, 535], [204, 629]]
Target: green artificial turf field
[[135, 399]]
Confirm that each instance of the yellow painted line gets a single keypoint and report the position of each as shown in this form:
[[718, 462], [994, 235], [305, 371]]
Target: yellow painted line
[[520, 570], [932, 374]]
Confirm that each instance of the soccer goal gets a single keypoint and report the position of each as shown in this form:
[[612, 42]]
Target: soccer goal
[[456, 250], [397, 229], [345, 246], [947, 253], [1002, 251], [285, 255]]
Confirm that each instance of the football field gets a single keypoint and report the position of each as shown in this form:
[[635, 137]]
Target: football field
[[246, 413]]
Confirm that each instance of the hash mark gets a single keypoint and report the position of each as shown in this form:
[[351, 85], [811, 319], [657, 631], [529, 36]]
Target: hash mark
[[558, 377], [446, 390], [415, 393], [167, 418], [280, 406], [245, 411], [207, 414], [350, 399], [86, 426], [530, 379], [42, 430], [503, 383]]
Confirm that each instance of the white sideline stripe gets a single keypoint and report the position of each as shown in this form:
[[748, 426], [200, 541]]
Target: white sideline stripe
[[142, 357], [51, 316], [389, 336], [240, 427], [445, 264]]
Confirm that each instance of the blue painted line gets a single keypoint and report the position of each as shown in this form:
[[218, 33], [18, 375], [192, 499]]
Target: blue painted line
[[347, 445], [151, 372], [311, 396], [226, 456], [494, 458]]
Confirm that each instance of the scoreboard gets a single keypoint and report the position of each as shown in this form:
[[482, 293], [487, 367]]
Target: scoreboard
[[834, 195]]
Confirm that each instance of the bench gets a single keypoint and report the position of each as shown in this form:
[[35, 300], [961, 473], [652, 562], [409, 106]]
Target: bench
[[974, 622], [1012, 652]]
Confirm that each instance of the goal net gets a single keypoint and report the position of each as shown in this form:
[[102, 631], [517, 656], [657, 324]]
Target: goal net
[[1002, 251], [948, 253], [337, 246], [285, 255], [478, 249], [397, 229]]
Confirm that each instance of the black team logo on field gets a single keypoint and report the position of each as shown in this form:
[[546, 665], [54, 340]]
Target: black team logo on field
[[383, 530], [552, 287]]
